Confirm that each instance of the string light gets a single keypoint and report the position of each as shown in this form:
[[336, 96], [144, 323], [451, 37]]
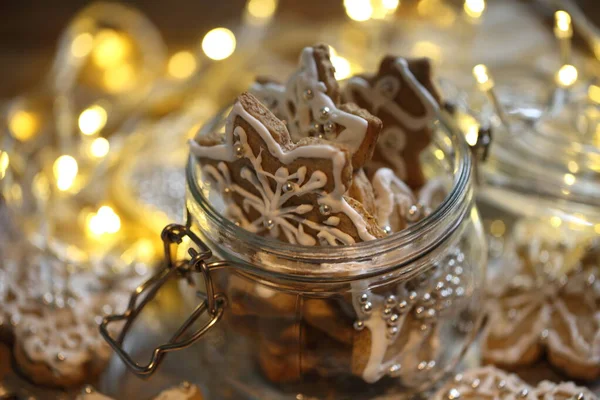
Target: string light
[[469, 126], [555, 221], [182, 65], [497, 228], [563, 31], [383, 8], [569, 179], [119, 78], [566, 76], [23, 125], [486, 84], [594, 93], [218, 44], [82, 45], [424, 48], [439, 154], [342, 66], [65, 171], [261, 10], [358, 10], [4, 163], [573, 166], [104, 221], [474, 8], [99, 147], [110, 48], [92, 120]]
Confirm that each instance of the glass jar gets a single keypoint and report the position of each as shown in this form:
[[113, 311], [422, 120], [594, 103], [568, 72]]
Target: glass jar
[[385, 317]]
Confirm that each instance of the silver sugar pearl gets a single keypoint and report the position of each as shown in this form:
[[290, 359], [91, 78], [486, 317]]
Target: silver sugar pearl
[[414, 213], [475, 384], [392, 331], [288, 187], [391, 300], [402, 306], [387, 229], [412, 296], [324, 113], [393, 318], [523, 393], [88, 389], [367, 307], [453, 394], [364, 298], [359, 325], [394, 370], [579, 396], [185, 385], [387, 312], [239, 150], [307, 94], [60, 357], [329, 127], [269, 224], [501, 385], [458, 378], [325, 209]]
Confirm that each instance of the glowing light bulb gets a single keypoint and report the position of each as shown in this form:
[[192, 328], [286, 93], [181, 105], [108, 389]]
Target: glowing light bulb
[[119, 78], [569, 179], [182, 65], [497, 228], [110, 48], [82, 45], [573, 166], [23, 125], [594, 93], [359, 10], [4, 163], [218, 44], [342, 67], [261, 9], [562, 24], [474, 8], [483, 78], [99, 147], [439, 154], [566, 76], [65, 171], [92, 120], [555, 221], [104, 221], [469, 126], [390, 5]]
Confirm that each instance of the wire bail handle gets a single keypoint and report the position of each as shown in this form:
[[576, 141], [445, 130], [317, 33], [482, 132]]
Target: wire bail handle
[[213, 304]]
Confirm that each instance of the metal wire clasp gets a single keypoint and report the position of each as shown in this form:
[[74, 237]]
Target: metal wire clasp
[[212, 303]]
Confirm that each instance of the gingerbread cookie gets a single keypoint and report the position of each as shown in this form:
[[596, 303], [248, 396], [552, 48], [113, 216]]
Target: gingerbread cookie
[[52, 315], [274, 187], [393, 200], [494, 384], [309, 105], [361, 190], [403, 96], [185, 391], [548, 302]]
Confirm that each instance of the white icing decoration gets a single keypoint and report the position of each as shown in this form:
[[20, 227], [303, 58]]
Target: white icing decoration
[[269, 204], [392, 140], [392, 196], [300, 115], [63, 335]]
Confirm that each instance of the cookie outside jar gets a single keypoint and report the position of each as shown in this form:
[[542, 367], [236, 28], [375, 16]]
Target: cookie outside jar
[[539, 199], [387, 315]]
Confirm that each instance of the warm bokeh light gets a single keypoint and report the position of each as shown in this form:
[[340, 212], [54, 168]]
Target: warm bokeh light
[[261, 9], [424, 48], [566, 76], [82, 45], [383, 8], [143, 251], [65, 171], [569, 179], [182, 65], [110, 48], [23, 125], [358, 10], [343, 69], [474, 8], [573, 166], [105, 221], [119, 78], [218, 44], [483, 78], [594, 93], [439, 154], [92, 120], [99, 147], [555, 221], [497, 228], [562, 24], [4, 163], [470, 127]]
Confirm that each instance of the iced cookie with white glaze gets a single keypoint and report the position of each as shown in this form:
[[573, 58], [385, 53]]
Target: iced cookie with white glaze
[[309, 105], [185, 391], [548, 301], [274, 187], [490, 383], [403, 96]]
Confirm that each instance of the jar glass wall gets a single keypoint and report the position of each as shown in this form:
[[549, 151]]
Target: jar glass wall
[[386, 316]]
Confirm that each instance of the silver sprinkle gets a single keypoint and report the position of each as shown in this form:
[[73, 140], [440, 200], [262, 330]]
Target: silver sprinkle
[[269, 224], [391, 300], [185, 385], [88, 389], [325, 209], [239, 150], [387, 229], [394, 370], [580, 396], [60, 357], [364, 298], [453, 394], [501, 384], [393, 318], [523, 393], [325, 111], [414, 213], [308, 94], [329, 127], [367, 307], [475, 384], [288, 187], [359, 325], [392, 331]]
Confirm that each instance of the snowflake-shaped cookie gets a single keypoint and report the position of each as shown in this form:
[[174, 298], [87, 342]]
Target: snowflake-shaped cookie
[[50, 314], [277, 188], [550, 301], [403, 96], [309, 105], [489, 383]]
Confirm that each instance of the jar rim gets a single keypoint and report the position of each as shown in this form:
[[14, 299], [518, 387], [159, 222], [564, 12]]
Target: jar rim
[[437, 226]]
